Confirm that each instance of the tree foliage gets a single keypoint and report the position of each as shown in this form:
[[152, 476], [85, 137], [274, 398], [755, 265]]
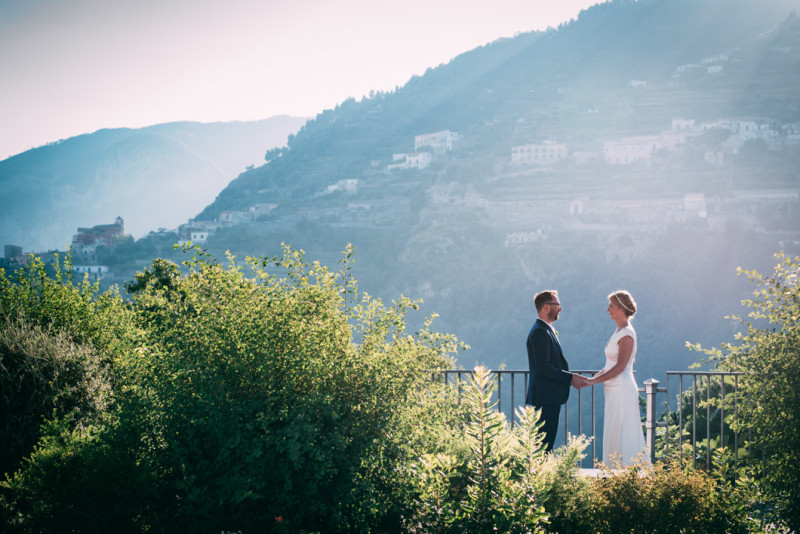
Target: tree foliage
[[275, 396], [767, 354], [242, 394], [495, 484]]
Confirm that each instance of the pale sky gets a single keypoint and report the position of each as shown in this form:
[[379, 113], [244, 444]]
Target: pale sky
[[69, 67]]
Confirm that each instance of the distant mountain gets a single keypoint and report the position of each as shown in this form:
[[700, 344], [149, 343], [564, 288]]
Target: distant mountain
[[152, 177]]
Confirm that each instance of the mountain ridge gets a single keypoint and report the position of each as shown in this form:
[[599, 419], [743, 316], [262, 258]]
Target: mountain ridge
[[157, 176], [496, 85]]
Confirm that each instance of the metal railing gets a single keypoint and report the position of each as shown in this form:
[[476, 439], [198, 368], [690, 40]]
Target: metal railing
[[663, 426], [713, 396]]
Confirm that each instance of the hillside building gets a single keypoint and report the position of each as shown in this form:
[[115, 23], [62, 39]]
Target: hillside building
[[11, 252], [746, 129], [92, 272], [14, 257], [418, 160], [438, 142], [695, 204], [632, 149], [191, 233], [349, 186], [86, 241], [538, 154], [233, 217], [791, 132]]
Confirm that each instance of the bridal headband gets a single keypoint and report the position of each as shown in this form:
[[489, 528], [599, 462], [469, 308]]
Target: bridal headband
[[623, 304]]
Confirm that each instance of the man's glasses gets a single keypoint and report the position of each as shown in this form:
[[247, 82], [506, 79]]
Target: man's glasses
[[558, 304]]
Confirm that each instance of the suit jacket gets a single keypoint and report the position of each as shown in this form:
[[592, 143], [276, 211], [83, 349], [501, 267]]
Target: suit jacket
[[549, 380]]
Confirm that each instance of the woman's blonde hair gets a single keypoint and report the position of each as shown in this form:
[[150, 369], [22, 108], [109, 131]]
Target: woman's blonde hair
[[625, 301]]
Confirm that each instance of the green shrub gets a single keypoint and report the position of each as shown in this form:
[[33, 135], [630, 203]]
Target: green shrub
[[570, 502], [492, 486], [670, 499], [42, 374], [45, 296], [767, 354], [78, 480], [279, 399]]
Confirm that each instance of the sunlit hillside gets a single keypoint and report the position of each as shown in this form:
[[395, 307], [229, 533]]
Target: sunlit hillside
[[650, 145]]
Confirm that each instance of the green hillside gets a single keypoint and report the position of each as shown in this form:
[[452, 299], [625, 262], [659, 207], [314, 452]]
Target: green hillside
[[446, 233]]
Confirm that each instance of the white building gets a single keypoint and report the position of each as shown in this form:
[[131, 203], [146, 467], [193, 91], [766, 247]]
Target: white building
[[418, 160], [538, 154], [791, 132], [235, 217], [348, 186], [523, 238], [439, 142], [695, 203], [92, 272], [745, 128], [630, 149]]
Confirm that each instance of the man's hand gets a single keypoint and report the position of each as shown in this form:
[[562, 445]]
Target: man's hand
[[578, 381]]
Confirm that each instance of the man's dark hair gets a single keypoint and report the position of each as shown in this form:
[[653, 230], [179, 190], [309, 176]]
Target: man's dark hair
[[544, 297]]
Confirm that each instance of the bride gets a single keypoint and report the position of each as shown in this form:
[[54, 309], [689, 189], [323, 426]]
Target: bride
[[623, 438]]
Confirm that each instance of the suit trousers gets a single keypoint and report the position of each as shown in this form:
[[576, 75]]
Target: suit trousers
[[550, 414]]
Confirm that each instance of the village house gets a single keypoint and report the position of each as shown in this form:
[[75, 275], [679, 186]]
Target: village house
[[418, 160], [695, 204], [234, 217], [189, 233], [92, 272], [631, 149], [538, 154], [746, 129], [425, 146], [349, 186], [439, 142], [86, 241], [14, 257]]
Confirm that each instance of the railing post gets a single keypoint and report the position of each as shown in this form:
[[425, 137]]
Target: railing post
[[650, 389]]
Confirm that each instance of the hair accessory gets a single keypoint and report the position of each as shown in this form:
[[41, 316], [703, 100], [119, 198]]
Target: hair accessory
[[622, 304]]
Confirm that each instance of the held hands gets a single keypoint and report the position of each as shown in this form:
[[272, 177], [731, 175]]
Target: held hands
[[579, 381]]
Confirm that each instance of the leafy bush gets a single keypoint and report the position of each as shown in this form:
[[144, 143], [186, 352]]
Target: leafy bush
[[56, 344], [768, 356], [570, 502], [667, 498], [52, 302], [495, 485], [79, 479], [275, 397], [42, 374], [240, 399]]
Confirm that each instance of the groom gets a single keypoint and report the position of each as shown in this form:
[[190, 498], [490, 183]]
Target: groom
[[550, 379]]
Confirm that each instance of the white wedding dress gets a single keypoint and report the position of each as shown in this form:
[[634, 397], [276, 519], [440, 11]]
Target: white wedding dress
[[623, 438]]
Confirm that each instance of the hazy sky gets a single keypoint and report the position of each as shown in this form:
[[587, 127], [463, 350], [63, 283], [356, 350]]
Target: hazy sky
[[69, 67]]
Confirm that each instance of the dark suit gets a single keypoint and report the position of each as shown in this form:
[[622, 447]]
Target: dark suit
[[549, 382]]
